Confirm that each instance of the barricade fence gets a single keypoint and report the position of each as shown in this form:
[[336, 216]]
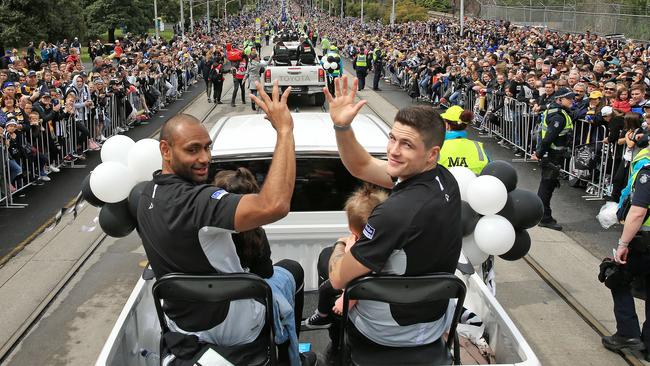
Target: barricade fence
[[590, 161], [39, 148]]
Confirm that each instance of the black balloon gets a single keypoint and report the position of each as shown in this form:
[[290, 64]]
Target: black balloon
[[468, 218], [116, 220], [523, 209], [330, 59], [134, 198], [520, 248], [88, 194], [504, 171]]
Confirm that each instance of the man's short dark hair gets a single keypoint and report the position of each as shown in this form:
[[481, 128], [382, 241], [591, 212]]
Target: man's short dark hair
[[426, 121], [169, 127]]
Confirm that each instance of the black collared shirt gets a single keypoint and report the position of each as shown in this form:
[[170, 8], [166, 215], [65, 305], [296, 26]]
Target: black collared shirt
[[186, 227], [416, 231]]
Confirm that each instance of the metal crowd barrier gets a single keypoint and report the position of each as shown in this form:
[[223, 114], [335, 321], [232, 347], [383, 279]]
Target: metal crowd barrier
[[60, 143]]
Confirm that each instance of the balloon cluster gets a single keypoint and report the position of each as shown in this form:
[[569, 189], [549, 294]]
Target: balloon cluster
[[116, 184], [495, 213], [331, 62]]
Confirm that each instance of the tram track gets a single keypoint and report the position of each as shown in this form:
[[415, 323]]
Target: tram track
[[14, 341]]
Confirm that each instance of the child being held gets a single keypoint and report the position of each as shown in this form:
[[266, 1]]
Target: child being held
[[358, 208]]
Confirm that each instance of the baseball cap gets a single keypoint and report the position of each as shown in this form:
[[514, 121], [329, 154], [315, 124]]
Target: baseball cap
[[606, 111], [31, 73], [596, 94], [452, 114], [564, 92], [8, 84]]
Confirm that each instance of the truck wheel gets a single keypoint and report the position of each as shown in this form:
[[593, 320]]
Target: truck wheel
[[319, 99]]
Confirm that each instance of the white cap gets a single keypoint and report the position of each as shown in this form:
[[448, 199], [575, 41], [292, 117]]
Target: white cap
[[606, 111]]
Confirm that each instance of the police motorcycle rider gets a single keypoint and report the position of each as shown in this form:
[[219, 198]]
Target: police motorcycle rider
[[555, 132], [458, 150]]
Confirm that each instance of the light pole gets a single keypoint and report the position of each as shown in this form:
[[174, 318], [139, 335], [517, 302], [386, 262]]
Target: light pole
[[392, 14], [462, 17], [182, 20], [361, 11], [207, 4], [155, 15], [191, 16], [342, 2]]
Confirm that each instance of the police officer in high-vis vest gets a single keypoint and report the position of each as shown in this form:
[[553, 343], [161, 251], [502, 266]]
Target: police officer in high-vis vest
[[554, 137], [458, 150], [377, 66], [633, 252], [361, 66], [258, 43]]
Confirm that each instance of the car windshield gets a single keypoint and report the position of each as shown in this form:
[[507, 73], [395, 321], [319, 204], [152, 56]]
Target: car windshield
[[322, 183]]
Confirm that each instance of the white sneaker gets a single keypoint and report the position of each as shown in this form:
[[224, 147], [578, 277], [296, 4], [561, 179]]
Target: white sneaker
[[54, 169], [44, 178], [102, 138]]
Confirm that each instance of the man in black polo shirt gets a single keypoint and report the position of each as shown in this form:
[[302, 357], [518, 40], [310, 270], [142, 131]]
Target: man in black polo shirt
[[186, 224], [415, 231]]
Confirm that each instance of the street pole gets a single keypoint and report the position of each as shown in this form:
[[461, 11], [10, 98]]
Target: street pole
[[361, 11], [342, 2], [225, 11], [182, 19], [155, 14], [207, 4], [462, 17], [329, 9], [191, 16], [392, 14]]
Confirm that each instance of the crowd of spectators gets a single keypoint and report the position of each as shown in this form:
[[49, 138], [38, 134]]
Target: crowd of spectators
[[54, 109], [433, 63]]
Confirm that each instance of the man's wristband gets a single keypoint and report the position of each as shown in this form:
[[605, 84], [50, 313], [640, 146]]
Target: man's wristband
[[623, 244], [340, 128], [339, 242]]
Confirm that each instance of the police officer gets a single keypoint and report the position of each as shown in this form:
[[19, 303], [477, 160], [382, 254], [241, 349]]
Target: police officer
[[258, 43], [554, 137], [458, 150], [377, 65], [306, 52], [325, 44], [361, 66], [634, 254]]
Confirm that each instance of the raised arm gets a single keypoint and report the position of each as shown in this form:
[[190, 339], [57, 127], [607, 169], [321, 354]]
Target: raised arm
[[356, 159], [273, 201]]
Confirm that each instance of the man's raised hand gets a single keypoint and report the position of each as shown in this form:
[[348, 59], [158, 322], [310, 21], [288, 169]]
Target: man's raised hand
[[275, 107], [343, 108]]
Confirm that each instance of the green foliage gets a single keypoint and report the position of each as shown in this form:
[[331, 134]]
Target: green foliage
[[107, 15], [36, 20], [437, 5]]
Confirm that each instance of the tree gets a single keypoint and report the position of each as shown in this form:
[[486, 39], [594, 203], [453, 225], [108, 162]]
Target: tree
[[23, 21], [107, 15]]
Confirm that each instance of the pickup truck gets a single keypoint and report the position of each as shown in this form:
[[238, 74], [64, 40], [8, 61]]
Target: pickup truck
[[316, 220], [303, 78]]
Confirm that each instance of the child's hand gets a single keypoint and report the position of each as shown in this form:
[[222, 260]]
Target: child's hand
[[349, 242], [338, 306]]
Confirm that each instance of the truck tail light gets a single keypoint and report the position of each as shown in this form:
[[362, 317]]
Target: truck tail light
[[321, 75], [267, 76]]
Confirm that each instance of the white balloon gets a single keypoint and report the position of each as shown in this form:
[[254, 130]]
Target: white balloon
[[326, 65], [475, 255], [334, 65], [487, 195], [324, 59], [116, 149], [464, 177], [144, 159], [111, 182], [494, 234]]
